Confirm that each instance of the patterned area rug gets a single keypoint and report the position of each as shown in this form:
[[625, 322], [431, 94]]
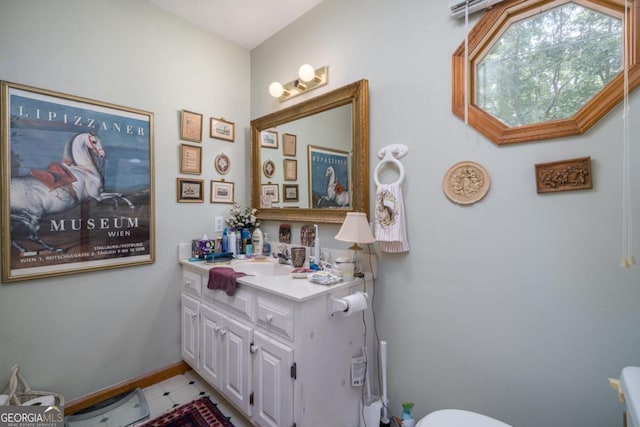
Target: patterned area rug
[[199, 413]]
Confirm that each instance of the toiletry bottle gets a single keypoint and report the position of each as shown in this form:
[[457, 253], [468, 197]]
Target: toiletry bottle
[[238, 243], [316, 247], [225, 241], [266, 245], [256, 240], [246, 238], [407, 416], [233, 248]]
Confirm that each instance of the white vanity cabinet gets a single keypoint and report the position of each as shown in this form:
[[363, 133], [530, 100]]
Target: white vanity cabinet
[[272, 349]]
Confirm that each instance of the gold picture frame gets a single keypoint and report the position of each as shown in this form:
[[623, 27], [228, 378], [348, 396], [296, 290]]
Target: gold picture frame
[[190, 126], [290, 170], [44, 244], [289, 143], [190, 159], [222, 192], [222, 129], [271, 190], [190, 190], [290, 192], [269, 139]]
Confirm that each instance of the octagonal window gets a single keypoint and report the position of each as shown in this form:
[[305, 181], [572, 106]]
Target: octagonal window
[[540, 69], [548, 66]]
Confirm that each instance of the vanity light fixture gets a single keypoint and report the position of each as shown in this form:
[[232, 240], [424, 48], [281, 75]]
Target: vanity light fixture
[[308, 79], [355, 229]]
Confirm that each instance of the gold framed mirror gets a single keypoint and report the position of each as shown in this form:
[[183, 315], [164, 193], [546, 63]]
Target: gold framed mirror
[[329, 130]]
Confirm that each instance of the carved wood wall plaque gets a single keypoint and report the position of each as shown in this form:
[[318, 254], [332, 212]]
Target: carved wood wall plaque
[[564, 175]]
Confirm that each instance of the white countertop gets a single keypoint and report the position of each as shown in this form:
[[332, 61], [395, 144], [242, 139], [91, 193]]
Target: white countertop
[[284, 286]]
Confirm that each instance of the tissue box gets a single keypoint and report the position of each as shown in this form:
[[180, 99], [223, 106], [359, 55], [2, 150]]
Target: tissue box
[[202, 248]]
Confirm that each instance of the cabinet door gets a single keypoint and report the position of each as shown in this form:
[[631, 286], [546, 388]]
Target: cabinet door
[[210, 345], [236, 339], [273, 385], [190, 331]]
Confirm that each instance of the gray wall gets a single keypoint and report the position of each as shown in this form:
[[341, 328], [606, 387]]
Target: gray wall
[[515, 306], [77, 334]]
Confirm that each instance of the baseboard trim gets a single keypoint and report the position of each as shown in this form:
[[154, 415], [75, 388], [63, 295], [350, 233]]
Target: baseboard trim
[[142, 381]]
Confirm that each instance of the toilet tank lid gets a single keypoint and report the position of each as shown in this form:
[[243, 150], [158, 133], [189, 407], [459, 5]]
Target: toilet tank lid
[[458, 418]]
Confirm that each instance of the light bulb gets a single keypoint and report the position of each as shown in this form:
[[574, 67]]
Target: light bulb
[[276, 90], [306, 73]]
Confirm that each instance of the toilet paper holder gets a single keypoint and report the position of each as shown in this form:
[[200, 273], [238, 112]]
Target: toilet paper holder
[[343, 304]]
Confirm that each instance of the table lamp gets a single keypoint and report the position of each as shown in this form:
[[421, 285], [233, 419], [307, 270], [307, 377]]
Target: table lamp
[[355, 229]]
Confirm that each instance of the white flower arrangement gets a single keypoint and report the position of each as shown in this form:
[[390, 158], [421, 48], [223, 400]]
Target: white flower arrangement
[[242, 219]]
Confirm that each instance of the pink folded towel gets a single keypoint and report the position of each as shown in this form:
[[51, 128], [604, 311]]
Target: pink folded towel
[[224, 278]]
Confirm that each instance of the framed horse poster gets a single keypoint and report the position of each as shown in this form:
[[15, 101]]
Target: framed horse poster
[[77, 184], [329, 180]]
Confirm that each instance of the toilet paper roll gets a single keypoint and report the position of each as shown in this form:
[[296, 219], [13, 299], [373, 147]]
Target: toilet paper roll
[[356, 302], [41, 401]]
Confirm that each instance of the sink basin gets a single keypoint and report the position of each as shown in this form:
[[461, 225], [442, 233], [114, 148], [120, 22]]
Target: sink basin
[[630, 382], [262, 269]]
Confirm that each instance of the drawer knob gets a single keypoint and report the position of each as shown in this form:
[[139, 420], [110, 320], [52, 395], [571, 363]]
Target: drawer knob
[[269, 318], [253, 348], [223, 332]]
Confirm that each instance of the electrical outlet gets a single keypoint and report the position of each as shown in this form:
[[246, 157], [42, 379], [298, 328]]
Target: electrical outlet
[[218, 224]]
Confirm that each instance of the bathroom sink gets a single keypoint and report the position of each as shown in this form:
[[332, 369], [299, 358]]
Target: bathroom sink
[[262, 269], [630, 382]]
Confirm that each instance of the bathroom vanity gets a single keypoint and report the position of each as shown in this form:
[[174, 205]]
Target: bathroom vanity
[[274, 349]]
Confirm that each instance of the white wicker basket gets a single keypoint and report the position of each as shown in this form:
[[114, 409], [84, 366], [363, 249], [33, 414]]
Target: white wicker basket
[[20, 392]]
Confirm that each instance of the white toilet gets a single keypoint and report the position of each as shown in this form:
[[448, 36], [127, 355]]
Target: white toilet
[[458, 418]]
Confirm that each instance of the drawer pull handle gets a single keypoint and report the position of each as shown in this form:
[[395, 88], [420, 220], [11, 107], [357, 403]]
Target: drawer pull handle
[[253, 348], [216, 328], [269, 318], [223, 332]]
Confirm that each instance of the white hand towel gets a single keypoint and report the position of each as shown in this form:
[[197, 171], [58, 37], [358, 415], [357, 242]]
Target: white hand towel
[[391, 230]]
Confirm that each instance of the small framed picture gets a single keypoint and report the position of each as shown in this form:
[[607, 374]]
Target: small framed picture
[[290, 170], [271, 190], [268, 168], [290, 192], [269, 139], [190, 159], [221, 192], [265, 202], [190, 190], [222, 129], [190, 126], [289, 145], [222, 163]]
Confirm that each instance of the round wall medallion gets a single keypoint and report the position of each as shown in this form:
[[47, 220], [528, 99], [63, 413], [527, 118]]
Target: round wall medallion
[[466, 183], [222, 163]]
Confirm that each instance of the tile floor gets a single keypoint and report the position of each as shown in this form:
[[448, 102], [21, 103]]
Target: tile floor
[[167, 395]]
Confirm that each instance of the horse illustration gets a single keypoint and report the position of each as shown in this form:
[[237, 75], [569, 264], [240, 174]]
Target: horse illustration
[[62, 187], [336, 191]]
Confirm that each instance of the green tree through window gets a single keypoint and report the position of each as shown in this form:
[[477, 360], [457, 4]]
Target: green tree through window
[[548, 66]]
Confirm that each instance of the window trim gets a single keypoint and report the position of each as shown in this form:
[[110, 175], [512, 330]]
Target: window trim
[[490, 26]]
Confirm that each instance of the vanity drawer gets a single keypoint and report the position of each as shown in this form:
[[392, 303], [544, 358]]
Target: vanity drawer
[[240, 304], [191, 283], [275, 316]]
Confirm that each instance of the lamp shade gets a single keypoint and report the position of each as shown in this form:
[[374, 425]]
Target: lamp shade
[[355, 229]]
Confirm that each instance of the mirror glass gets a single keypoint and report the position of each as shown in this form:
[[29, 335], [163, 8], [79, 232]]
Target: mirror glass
[[309, 162]]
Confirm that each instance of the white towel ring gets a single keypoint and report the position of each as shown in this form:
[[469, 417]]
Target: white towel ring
[[391, 154]]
